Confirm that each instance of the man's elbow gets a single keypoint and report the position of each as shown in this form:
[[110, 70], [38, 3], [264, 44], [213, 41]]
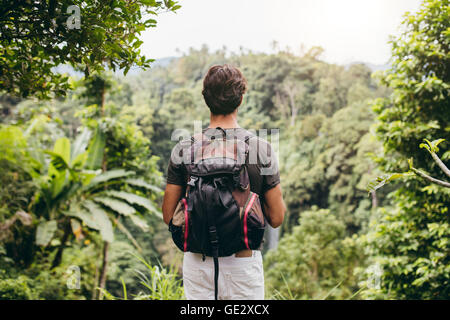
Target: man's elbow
[[166, 220], [278, 219], [166, 215], [275, 223]]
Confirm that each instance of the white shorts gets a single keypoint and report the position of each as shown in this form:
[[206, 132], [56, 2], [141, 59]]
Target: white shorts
[[239, 278]]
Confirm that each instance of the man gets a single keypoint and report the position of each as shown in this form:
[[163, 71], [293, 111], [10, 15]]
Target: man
[[241, 274]]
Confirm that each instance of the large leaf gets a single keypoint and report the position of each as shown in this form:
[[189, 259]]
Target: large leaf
[[62, 147], [80, 144], [96, 150], [58, 165], [107, 176], [134, 199], [138, 222], [84, 216], [45, 232], [128, 234], [119, 206], [143, 184], [11, 140], [101, 219]]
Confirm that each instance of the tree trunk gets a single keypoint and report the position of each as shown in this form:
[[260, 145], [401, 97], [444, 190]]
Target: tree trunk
[[102, 280], [102, 102], [94, 289], [374, 200], [58, 257], [103, 272]]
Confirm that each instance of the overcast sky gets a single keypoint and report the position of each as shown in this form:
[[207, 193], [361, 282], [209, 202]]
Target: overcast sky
[[348, 30]]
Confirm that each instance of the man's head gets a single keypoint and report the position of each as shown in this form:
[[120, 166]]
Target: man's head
[[223, 88]]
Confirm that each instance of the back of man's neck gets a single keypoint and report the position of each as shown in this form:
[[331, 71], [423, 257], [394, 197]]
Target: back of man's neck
[[224, 122]]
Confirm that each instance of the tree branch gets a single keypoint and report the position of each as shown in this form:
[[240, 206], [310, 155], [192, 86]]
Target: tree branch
[[431, 179], [440, 164]]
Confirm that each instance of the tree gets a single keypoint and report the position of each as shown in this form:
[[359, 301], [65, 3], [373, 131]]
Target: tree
[[410, 240], [326, 163], [289, 99], [315, 260], [37, 36], [124, 147], [432, 147], [72, 196]]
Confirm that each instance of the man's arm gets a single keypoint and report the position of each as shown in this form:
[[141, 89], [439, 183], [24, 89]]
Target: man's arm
[[274, 206], [172, 195]]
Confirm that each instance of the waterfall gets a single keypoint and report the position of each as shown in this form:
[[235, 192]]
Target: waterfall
[[272, 237]]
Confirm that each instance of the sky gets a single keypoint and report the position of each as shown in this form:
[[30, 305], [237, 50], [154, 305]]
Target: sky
[[348, 30]]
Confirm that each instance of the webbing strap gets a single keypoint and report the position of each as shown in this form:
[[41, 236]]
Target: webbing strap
[[216, 277], [214, 241]]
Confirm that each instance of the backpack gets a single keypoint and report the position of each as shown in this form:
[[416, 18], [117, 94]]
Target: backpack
[[219, 214]]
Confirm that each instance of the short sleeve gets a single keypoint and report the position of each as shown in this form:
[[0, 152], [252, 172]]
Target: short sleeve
[[176, 171], [267, 163], [269, 170], [176, 174]]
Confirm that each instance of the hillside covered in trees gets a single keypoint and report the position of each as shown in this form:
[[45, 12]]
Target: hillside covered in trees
[[82, 174]]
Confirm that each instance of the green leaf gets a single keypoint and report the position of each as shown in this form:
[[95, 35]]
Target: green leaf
[[432, 147], [101, 219], [138, 222], [80, 144], [59, 164], [135, 199], [118, 206], [62, 147], [124, 289], [108, 176], [143, 184], [96, 150], [79, 161], [45, 232], [84, 216], [384, 179]]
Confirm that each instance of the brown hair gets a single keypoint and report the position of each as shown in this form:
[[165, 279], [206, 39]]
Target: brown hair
[[223, 88]]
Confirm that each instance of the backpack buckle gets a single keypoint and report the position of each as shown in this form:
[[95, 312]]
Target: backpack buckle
[[192, 180]]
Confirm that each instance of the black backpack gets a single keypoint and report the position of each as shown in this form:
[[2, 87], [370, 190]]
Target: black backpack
[[219, 214]]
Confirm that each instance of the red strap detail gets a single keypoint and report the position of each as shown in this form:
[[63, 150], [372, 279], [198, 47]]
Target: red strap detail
[[247, 209], [186, 224]]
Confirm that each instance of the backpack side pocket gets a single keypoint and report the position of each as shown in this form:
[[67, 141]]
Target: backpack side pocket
[[179, 225], [253, 223]]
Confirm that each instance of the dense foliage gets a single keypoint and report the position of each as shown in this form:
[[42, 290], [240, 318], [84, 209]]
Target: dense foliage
[[315, 260], [410, 239], [37, 36]]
